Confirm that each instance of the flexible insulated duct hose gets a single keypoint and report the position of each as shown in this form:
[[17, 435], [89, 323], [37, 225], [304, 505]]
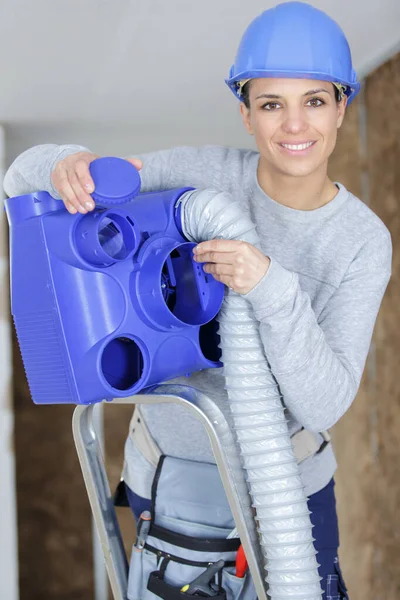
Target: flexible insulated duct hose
[[258, 415]]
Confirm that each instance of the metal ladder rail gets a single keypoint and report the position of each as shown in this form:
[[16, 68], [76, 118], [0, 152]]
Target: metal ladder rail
[[222, 442]]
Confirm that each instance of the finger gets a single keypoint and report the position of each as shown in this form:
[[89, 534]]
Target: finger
[[70, 208], [226, 258], [218, 246], [225, 279], [85, 179], [84, 199], [136, 162], [220, 269], [66, 192], [217, 277]]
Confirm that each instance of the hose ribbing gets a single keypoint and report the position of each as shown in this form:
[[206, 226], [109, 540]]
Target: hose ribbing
[[258, 416]]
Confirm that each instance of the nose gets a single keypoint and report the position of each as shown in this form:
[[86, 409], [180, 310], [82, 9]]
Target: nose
[[294, 121]]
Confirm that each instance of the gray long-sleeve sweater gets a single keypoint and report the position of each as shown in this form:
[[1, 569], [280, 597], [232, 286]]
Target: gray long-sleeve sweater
[[316, 306]]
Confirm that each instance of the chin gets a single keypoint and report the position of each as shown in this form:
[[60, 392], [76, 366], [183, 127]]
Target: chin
[[297, 170]]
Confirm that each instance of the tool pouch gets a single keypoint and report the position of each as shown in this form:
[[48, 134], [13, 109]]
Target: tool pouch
[[161, 589], [191, 520]]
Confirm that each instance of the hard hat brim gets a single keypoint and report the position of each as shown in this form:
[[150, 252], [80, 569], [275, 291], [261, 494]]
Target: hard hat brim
[[354, 87]]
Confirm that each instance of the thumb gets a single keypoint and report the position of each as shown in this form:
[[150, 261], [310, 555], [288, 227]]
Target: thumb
[[136, 162]]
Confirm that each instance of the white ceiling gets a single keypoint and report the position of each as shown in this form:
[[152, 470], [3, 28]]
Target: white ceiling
[[156, 64]]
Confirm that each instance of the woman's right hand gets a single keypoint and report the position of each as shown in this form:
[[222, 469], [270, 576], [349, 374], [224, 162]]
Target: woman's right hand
[[72, 180]]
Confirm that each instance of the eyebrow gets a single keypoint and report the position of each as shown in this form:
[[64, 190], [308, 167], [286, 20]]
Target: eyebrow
[[309, 93]]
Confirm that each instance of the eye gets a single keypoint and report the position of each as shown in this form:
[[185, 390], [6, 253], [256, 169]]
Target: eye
[[315, 102], [270, 106]]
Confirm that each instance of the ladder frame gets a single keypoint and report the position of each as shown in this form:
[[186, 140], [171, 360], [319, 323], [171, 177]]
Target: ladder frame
[[212, 417]]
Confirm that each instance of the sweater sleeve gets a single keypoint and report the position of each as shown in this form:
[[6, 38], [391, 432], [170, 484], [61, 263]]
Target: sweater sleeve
[[31, 171], [183, 166], [215, 167], [318, 364]]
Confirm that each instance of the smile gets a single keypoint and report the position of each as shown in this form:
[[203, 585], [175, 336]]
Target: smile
[[298, 147]]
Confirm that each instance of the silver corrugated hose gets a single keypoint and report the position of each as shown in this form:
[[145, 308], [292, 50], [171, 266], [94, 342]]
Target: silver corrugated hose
[[258, 415]]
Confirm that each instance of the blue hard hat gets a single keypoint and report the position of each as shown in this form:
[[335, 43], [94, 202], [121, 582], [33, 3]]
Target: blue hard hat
[[295, 40]]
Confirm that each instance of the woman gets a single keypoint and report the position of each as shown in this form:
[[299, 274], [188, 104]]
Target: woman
[[317, 285]]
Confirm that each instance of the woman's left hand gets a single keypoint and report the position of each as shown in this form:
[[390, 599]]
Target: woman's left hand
[[237, 264]]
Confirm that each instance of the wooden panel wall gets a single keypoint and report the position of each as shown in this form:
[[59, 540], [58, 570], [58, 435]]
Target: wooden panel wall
[[367, 439], [54, 519], [55, 546]]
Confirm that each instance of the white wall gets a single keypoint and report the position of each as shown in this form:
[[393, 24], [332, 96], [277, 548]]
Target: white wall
[[117, 141], [8, 508], [158, 63]]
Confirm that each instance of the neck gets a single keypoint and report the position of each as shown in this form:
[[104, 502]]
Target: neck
[[302, 193]]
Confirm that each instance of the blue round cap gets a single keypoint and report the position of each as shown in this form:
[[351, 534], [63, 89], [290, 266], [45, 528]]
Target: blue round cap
[[116, 180]]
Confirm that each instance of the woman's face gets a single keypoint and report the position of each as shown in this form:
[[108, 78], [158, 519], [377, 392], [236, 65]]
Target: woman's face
[[294, 122]]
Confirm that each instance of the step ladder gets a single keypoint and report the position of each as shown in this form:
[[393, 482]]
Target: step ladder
[[215, 419]]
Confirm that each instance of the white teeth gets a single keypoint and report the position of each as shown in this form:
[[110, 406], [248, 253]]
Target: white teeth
[[298, 146]]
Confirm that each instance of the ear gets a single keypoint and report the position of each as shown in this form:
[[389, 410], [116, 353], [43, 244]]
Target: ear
[[341, 111], [245, 112]]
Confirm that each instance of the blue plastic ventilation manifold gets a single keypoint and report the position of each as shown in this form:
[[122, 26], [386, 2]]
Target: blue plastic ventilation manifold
[[111, 302]]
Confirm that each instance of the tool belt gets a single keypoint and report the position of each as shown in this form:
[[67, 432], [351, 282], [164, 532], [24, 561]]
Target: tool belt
[[186, 539], [305, 443]]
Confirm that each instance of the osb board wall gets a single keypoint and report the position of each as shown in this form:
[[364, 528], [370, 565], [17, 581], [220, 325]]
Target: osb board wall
[[54, 531], [383, 128], [367, 438], [54, 519], [346, 160], [55, 545]]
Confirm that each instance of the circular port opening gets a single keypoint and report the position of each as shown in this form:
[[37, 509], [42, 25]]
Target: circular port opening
[[168, 281], [191, 295], [209, 340], [116, 236], [122, 363]]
